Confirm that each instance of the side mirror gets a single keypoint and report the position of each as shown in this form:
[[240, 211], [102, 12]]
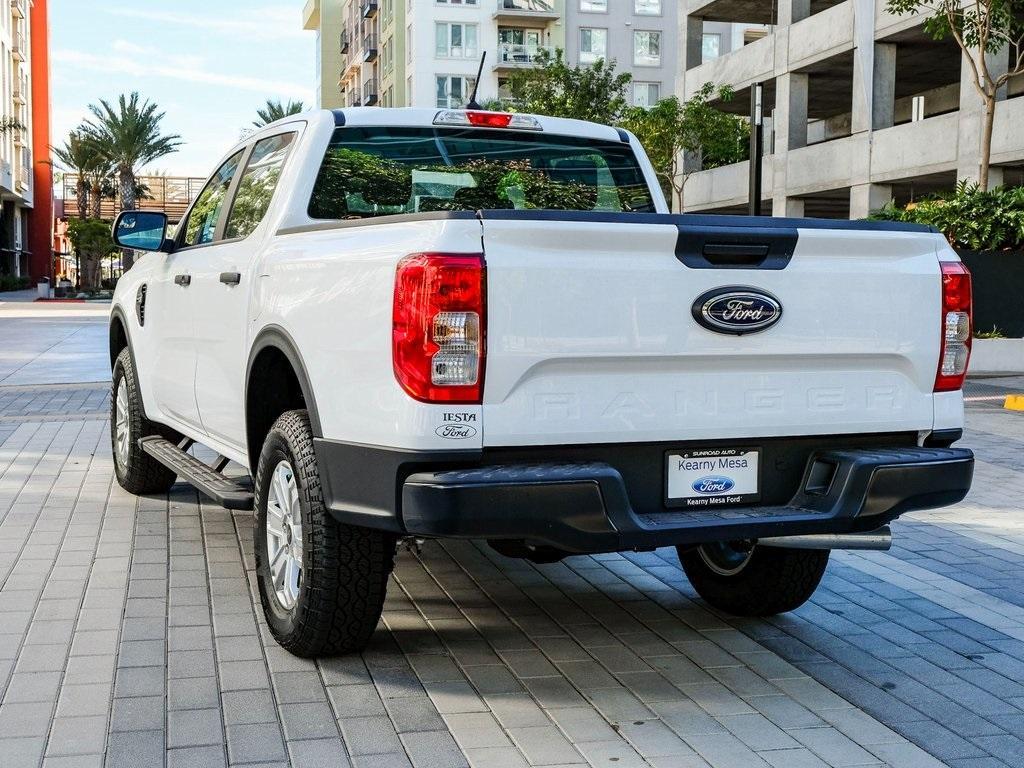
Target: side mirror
[[141, 230]]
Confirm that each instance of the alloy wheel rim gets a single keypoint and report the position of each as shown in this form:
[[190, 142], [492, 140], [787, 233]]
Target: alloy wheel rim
[[725, 559], [122, 424], [284, 535]]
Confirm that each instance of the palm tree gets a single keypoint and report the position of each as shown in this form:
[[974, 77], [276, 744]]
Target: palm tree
[[84, 158], [273, 111], [129, 137]]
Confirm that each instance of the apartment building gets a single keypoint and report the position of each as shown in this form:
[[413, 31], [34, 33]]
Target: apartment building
[[640, 35], [861, 106], [17, 183], [348, 48]]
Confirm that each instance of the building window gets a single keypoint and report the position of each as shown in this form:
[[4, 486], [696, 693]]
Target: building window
[[593, 45], [455, 41], [647, 49], [594, 6], [456, 2], [711, 46], [408, 91], [408, 44], [453, 91], [647, 7], [646, 94]]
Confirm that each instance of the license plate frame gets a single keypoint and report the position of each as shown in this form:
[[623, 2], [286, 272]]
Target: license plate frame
[[722, 463]]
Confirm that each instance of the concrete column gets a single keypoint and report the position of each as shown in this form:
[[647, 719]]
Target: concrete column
[[790, 118], [691, 46], [863, 65], [792, 207], [865, 198], [792, 11], [883, 109]]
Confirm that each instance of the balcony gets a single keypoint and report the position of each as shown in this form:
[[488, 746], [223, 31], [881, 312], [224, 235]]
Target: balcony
[[18, 9], [369, 9], [518, 56], [370, 48], [370, 96], [345, 41], [19, 95], [517, 10], [18, 47]]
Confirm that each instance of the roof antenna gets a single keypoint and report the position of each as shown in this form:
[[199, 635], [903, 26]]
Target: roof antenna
[[472, 103]]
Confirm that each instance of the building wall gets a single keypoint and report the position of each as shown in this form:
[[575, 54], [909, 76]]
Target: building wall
[[16, 143], [41, 220], [841, 81], [621, 20]]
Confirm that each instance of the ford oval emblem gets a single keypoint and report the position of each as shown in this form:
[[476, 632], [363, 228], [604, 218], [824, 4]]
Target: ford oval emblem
[[713, 484], [737, 310], [455, 431]]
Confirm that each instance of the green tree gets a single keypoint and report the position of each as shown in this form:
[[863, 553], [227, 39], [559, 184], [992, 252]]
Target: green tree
[[91, 238], [590, 92], [982, 28], [678, 135], [129, 136], [274, 110]]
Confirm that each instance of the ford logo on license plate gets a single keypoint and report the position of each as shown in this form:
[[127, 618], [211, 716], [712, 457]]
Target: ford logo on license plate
[[737, 310], [713, 484]]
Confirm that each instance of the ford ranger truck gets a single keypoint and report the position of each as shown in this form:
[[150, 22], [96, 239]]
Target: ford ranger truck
[[412, 324]]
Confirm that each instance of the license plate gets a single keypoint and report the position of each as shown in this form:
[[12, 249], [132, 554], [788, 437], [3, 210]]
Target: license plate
[[712, 478]]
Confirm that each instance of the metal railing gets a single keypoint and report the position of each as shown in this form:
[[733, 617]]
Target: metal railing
[[369, 9], [345, 41], [370, 47], [527, 6], [517, 53], [370, 94]]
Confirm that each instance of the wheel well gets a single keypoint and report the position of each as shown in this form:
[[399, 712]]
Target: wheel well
[[118, 339], [273, 388]]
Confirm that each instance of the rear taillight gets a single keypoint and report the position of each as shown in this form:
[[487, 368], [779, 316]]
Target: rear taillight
[[957, 326], [438, 327]]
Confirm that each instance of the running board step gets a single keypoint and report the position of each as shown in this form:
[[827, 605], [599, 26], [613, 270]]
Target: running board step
[[203, 477]]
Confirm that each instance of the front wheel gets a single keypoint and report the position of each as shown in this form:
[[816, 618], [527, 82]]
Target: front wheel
[[136, 471], [321, 582], [753, 581]]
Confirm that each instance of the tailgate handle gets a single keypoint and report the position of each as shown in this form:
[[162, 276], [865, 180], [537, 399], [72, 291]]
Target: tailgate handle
[[736, 254]]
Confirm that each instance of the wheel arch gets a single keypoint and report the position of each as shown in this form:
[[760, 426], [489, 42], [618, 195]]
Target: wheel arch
[[275, 358]]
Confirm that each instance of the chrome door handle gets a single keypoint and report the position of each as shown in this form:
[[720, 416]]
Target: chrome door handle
[[183, 280], [231, 278]]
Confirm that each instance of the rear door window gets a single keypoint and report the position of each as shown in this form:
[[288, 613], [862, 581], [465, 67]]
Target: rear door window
[[257, 185], [382, 171]]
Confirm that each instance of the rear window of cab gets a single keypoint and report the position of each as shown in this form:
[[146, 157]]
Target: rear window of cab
[[369, 172]]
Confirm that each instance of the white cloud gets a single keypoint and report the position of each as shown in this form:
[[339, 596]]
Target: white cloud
[[186, 69], [273, 23]]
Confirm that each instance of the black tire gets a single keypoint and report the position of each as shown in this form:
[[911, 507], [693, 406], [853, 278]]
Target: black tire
[[771, 580], [136, 471], [344, 568]]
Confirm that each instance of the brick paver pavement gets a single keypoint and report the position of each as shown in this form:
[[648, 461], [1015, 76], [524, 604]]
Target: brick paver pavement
[[131, 635]]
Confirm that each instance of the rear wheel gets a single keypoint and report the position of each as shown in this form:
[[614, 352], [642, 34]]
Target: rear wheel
[[322, 583], [749, 580], [136, 471]]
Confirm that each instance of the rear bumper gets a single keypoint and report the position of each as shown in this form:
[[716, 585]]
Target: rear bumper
[[585, 508], [597, 499]]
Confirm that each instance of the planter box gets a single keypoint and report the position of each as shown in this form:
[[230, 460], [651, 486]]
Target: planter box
[[998, 278], [994, 357]]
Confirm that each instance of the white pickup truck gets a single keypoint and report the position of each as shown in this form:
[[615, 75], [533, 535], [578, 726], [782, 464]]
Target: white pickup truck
[[411, 324]]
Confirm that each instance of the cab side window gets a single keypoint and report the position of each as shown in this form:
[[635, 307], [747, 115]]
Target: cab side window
[[256, 188], [201, 226]]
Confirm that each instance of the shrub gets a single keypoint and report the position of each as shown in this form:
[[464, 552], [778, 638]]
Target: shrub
[[12, 283], [969, 217]]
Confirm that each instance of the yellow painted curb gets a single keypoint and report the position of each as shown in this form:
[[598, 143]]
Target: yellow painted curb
[[1014, 403]]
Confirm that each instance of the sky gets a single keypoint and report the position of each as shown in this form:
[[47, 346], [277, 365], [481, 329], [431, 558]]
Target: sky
[[209, 64]]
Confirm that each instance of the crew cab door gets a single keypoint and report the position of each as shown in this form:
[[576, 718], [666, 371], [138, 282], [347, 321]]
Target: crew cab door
[[223, 287], [175, 353]]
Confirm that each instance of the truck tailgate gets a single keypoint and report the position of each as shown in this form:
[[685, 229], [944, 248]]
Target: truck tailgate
[[591, 336]]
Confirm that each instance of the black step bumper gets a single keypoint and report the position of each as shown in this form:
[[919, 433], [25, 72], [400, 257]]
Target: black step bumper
[[585, 507]]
